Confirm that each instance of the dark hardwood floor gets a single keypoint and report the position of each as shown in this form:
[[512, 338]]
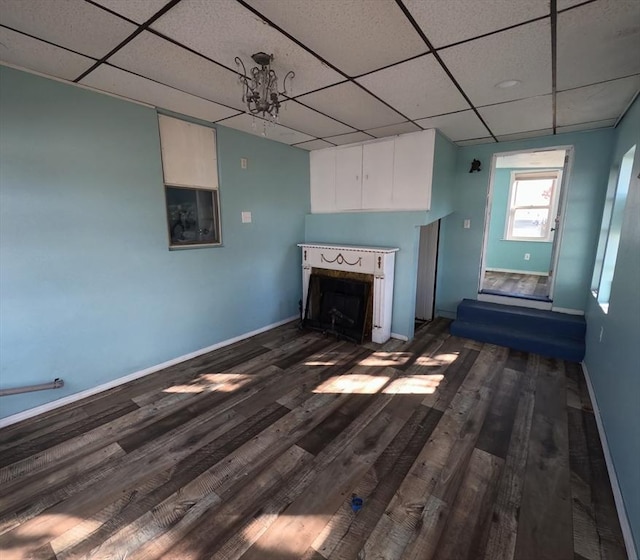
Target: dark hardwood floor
[[459, 450], [516, 284]]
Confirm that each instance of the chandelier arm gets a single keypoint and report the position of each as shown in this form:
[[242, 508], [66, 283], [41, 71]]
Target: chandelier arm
[[291, 75]]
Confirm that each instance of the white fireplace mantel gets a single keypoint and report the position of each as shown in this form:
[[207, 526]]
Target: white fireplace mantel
[[379, 262]]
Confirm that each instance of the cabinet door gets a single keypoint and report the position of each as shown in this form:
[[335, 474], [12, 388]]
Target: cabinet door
[[377, 175], [349, 178], [323, 180], [413, 170]]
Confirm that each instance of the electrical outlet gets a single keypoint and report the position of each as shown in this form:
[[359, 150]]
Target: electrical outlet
[[527, 256], [246, 217], [243, 163]]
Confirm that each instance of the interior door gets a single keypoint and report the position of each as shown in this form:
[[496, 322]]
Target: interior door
[[427, 259], [557, 231]]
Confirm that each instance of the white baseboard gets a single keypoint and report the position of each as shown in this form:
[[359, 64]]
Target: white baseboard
[[568, 310], [18, 417], [515, 301], [399, 336], [615, 486], [514, 271]]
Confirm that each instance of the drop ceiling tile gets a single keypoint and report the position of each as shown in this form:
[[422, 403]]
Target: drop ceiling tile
[[258, 127], [565, 4], [73, 24], [224, 29], [451, 21], [314, 145], [523, 115], [357, 36], [113, 80], [352, 105], [418, 88], [523, 54], [349, 138], [525, 135], [597, 42], [299, 117], [476, 141], [24, 51], [457, 126], [596, 102], [607, 123], [393, 129], [158, 59], [136, 10]]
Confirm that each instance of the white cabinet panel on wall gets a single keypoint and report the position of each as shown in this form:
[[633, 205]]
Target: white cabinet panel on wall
[[349, 178], [323, 180], [188, 153], [377, 175], [413, 170]]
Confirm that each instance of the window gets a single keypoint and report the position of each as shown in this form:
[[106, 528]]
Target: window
[[612, 224], [189, 165], [532, 205]]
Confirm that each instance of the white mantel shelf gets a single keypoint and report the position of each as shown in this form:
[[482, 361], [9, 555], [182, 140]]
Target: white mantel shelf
[[379, 262]]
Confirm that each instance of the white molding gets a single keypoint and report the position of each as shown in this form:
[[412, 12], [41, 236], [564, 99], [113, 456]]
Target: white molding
[[516, 301], [18, 417], [568, 310], [399, 336], [613, 477], [513, 271]]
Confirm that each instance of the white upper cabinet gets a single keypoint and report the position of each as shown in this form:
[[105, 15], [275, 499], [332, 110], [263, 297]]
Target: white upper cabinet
[[377, 175], [349, 178], [413, 170], [388, 174], [188, 154], [323, 180]]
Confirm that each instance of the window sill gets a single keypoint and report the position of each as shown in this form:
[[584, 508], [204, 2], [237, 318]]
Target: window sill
[[526, 240], [194, 246]]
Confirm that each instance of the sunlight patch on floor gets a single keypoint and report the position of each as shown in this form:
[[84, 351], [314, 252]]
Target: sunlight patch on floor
[[437, 360], [386, 359], [210, 382], [355, 383], [414, 385]]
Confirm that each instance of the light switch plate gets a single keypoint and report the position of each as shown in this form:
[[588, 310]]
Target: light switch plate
[[243, 163], [246, 217], [467, 224]]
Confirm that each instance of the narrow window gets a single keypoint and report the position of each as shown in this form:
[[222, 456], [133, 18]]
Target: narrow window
[[613, 213]]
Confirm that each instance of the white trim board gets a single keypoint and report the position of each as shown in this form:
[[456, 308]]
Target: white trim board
[[399, 336], [516, 301], [514, 271], [568, 310], [25, 414], [615, 486]]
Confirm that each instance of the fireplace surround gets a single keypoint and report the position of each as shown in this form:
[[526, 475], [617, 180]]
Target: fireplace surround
[[376, 262]]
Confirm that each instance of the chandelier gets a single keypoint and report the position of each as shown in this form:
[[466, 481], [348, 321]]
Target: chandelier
[[260, 87]]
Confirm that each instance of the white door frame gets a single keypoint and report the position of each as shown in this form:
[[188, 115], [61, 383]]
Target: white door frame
[[557, 238]]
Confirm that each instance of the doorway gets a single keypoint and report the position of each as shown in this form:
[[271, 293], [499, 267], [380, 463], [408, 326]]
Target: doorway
[[523, 224], [427, 265]]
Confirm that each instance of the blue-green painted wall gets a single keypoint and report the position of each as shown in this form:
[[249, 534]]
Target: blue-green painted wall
[[394, 229], [89, 290], [613, 363], [505, 254], [460, 249]]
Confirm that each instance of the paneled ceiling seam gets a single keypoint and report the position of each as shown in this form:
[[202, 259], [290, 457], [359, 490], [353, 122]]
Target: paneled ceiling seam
[[137, 32], [576, 6], [600, 82], [48, 42], [109, 10], [320, 58], [442, 64], [626, 109], [554, 60]]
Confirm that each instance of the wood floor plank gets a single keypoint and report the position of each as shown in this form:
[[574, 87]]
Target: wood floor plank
[[501, 540], [459, 450], [545, 529]]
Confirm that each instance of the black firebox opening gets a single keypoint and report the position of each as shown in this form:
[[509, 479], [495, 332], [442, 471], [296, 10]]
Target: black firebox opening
[[337, 306]]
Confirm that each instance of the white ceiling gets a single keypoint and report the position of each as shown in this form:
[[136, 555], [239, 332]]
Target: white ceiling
[[364, 69]]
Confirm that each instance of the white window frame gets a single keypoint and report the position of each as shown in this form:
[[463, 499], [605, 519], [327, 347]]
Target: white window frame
[[516, 176]]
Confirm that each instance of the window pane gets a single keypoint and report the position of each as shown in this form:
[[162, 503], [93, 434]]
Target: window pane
[[531, 223], [533, 192], [192, 216]]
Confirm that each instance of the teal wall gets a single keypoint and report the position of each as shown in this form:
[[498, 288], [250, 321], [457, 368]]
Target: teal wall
[[509, 255], [613, 363], [89, 290], [393, 229], [460, 249]]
